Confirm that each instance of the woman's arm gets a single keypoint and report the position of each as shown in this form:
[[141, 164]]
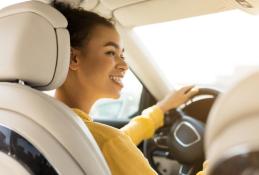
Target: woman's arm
[[203, 172], [143, 126]]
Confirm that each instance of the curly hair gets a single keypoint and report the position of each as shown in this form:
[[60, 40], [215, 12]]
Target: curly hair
[[80, 23]]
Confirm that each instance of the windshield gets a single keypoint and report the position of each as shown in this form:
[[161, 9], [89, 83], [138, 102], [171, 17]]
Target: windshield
[[205, 50]]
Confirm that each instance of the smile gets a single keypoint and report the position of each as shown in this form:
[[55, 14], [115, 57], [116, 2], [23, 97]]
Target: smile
[[117, 79]]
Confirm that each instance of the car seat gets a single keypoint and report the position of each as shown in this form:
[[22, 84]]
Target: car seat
[[38, 134], [232, 139]]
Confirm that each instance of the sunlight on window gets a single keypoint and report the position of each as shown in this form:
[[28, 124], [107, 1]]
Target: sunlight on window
[[204, 50]]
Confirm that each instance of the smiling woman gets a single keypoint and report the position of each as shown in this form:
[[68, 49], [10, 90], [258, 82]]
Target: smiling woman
[[96, 69], [97, 63], [99, 71]]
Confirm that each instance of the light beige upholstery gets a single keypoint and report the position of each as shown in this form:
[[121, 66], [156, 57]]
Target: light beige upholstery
[[233, 123], [115, 4], [34, 48], [37, 54], [52, 128], [131, 13]]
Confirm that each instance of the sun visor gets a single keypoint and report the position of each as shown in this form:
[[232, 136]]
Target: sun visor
[[89, 5], [156, 11], [115, 4]]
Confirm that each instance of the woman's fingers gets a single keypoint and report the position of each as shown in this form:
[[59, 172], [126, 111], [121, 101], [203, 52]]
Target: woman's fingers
[[176, 98], [186, 89], [192, 92]]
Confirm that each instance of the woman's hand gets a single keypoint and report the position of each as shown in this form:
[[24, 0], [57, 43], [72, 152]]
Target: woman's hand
[[176, 98]]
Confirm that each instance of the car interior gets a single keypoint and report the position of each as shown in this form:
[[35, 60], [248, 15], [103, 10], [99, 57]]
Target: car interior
[[40, 135]]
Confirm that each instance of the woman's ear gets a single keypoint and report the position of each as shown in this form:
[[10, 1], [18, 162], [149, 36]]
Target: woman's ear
[[74, 59]]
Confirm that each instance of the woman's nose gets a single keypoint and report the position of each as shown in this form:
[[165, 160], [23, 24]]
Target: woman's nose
[[122, 65]]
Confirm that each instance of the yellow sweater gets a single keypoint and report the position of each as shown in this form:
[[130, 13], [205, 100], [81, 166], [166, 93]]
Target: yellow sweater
[[119, 145]]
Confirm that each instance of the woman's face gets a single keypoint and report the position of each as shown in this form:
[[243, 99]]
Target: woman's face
[[101, 64]]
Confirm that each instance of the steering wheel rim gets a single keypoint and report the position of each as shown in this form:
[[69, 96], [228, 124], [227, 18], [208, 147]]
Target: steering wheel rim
[[159, 146]]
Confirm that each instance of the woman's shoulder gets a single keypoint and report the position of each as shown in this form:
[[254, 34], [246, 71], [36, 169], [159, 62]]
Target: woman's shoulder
[[104, 133]]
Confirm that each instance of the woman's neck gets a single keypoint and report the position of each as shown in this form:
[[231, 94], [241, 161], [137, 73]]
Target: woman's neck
[[75, 98]]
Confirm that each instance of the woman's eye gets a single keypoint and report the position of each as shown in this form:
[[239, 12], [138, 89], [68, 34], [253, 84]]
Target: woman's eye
[[111, 53]]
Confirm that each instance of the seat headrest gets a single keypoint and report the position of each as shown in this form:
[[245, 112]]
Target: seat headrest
[[237, 102], [232, 126], [34, 45]]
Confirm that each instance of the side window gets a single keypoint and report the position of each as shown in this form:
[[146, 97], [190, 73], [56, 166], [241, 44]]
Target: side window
[[125, 106]]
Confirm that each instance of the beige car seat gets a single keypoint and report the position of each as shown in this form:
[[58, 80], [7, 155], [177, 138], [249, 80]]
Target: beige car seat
[[38, 134], [232, 133]]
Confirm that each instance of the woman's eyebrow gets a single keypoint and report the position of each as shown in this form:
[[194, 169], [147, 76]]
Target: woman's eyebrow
[[110, 43]]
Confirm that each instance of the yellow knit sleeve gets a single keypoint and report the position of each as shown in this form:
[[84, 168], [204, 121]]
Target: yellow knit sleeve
[[143, 126], [124, 158], [203, 172], [200, 173]]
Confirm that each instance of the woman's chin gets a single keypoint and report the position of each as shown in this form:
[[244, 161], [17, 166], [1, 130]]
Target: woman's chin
[[116, 96], [113, 95]]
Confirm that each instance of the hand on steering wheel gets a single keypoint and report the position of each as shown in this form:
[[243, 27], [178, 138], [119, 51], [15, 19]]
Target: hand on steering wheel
[[181, 137], [176, 98]]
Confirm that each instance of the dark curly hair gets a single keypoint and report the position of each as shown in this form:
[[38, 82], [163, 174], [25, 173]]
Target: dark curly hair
[[80, 23]]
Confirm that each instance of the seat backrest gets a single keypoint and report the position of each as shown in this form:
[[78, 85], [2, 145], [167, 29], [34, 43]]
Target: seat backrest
[[38, 134], [232, 141]]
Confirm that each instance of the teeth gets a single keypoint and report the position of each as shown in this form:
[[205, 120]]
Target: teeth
[[116, 79]]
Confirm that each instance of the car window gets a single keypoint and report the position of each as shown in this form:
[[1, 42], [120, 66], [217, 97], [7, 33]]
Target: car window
[[125, 106], [205, 50]]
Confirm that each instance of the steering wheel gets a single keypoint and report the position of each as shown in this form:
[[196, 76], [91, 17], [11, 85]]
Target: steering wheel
[[181, 137]]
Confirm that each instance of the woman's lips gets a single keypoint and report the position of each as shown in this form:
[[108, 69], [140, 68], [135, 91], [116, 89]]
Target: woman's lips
[[117, 79]]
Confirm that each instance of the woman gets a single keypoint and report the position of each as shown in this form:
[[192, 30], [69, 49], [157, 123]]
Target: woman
[[96, 69]]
